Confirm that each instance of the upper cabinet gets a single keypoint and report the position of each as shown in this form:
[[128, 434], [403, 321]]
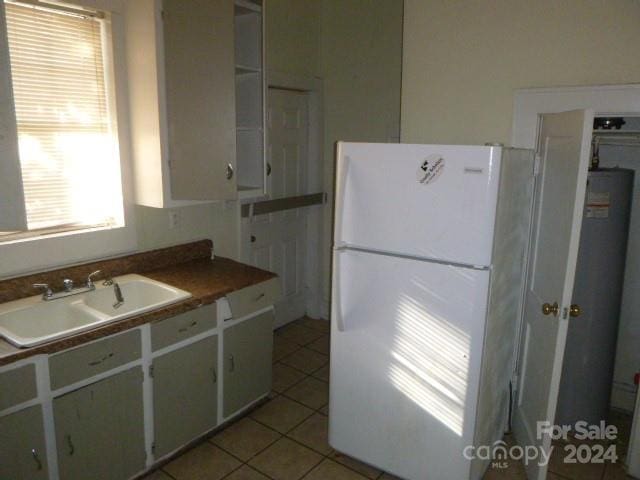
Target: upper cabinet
[[196, 89]]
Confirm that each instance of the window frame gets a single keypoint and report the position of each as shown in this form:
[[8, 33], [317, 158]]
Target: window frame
[[48, 249]]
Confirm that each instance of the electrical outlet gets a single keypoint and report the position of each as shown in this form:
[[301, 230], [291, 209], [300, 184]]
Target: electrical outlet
[[174, 219]]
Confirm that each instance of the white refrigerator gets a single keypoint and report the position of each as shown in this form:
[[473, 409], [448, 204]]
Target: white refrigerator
[[428, 264]]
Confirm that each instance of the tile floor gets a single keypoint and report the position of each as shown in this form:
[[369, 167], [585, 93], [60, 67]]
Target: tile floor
[[286, 438]]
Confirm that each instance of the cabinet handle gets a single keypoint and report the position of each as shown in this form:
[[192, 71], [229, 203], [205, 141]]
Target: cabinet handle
[[268, 169], [34, 453], [229, 171], [98, 362], [215, 375], [232, 363], [258, 297], [191, 325], [72, 449]]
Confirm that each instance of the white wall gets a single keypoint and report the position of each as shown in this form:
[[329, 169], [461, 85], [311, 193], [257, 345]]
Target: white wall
[[216, 221], [463, 60], [628, 354], [293, 36]]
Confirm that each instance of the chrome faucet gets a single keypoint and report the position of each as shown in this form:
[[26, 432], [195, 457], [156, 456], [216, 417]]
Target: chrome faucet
[[48, 293], [68, 289], [119, 297], [90, 283], [67, 284]]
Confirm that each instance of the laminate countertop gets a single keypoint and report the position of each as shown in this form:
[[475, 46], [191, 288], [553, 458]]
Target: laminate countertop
[[206, 279]]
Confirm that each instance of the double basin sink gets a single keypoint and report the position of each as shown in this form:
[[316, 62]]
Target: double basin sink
[[32, 321]]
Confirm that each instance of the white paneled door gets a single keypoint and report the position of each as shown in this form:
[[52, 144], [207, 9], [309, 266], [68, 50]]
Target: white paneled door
[[278, 241], [564, 153]]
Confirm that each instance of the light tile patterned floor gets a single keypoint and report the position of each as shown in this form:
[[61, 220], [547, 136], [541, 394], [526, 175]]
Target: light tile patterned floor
[[286, 438]]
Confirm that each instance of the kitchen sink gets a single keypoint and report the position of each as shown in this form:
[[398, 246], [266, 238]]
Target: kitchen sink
[[140, 295], [33, 321]]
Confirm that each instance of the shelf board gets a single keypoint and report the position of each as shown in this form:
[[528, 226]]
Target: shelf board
[[618, 137], [615, 133], [245, 128], [244, 69], [246, 191], [244, 7]]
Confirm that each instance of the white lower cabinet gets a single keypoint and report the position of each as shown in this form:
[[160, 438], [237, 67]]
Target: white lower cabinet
[[185, 394], [91, 402], [100, 429], [22, 445], [248, 348]]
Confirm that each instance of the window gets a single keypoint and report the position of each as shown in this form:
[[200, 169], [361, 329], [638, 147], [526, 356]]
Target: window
[[61, 74]]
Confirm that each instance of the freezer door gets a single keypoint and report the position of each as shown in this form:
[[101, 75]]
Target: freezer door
[[433, 201], [406, 343]]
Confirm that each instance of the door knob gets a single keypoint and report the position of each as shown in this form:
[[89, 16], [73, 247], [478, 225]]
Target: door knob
[[548, 309], [575, 310]]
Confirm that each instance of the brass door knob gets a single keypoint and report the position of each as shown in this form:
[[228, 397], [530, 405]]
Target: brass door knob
[[575, 310], [548, 309]]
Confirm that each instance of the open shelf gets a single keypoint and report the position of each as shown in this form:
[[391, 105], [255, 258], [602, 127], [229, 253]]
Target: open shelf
[[249, 112], [248, 40], [250, 99], [250, 157]]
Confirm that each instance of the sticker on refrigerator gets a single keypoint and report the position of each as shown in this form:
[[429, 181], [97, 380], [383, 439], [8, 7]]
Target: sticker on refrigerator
[[430, 169], [598, 204]]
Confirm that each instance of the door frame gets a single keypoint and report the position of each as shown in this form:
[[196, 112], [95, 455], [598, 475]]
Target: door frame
[[528, 105], [315, 182]]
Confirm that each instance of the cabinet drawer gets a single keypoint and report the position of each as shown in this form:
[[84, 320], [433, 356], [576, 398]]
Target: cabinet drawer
[[17, 386], [250, 299], [180, 327], [84, 362]]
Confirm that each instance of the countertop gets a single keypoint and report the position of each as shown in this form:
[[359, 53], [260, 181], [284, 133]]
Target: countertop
[[206, 279]]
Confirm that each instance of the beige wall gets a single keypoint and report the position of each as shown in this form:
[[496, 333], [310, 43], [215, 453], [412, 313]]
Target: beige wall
[[215, 221], [293, 36], [464, 59], [361, 62]]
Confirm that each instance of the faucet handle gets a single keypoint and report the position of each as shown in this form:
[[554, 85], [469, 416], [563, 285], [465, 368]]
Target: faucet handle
[[90, 278], [48, 293]]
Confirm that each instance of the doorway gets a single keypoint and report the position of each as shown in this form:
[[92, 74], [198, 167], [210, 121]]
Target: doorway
[[280, 232], [618, 101], [604, 323]]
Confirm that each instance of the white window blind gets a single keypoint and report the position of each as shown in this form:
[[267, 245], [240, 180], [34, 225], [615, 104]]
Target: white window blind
[[67, 145]]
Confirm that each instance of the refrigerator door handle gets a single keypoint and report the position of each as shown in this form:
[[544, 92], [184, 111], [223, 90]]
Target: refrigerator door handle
[[343, 171], [337, 304]]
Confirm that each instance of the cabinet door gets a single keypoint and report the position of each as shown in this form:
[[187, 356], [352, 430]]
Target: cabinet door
[[200, 81], [22, 447], [185, 380], [247, 348], [100, 429]]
